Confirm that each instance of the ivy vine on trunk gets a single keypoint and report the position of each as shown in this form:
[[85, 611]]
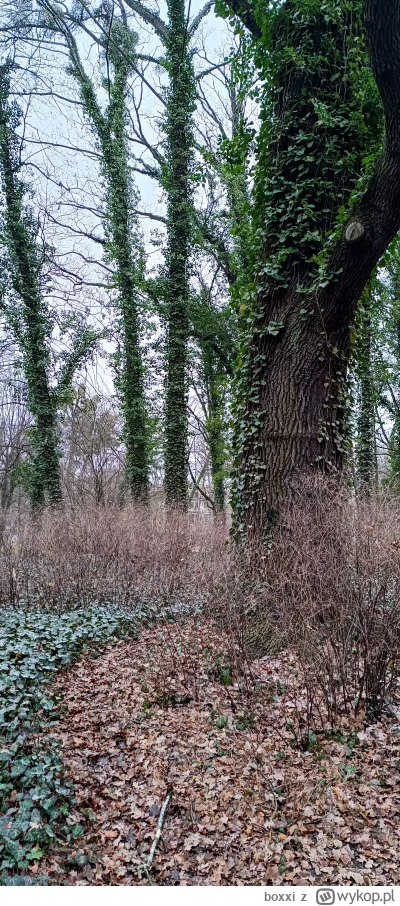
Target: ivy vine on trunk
[[176, 175], [178, 184], [324, 220], [215, 383], [122, 240], [24, 308], [367, 462]]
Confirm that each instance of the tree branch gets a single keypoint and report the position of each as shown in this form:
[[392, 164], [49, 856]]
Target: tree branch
[[376, 219], [146, 866], [200, 16], [151, 18], [243, 10], [201, 490], [199, 479], [86, 344]]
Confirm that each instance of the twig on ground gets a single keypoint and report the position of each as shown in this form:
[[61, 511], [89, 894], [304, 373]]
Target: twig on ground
[[146, 866]]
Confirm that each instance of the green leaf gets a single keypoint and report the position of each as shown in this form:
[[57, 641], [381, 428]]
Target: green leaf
[[35, 854]]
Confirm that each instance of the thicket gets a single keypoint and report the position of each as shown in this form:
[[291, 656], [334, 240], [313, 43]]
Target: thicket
[[124, 557], [327, 589]]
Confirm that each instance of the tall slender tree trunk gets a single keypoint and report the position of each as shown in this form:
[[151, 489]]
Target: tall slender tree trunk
[[131, 383], [28, 317], [215, 431], [179, 154], [367, 465], [122, 241], [46, 482], [214, 383], [394, 447]]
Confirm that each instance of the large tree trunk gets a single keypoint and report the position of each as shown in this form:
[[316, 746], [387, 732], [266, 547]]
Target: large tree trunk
[[296, 402], [293, 374], [301, 407]]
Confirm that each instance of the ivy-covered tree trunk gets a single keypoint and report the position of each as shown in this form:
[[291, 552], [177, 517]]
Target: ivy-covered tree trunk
[[394, 446], [315, 262], [366, 423], [131, 382], [215, 386], [178, 183], [26, 314], [394, 452], [215, 430], [122, 241]]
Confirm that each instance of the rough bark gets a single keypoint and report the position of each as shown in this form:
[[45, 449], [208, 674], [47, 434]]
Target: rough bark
[[302, 364]]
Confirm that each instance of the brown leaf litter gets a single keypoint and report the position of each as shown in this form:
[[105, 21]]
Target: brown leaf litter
[[248, 806]]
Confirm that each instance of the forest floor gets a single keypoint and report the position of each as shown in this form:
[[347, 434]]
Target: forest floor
[[155, 716]]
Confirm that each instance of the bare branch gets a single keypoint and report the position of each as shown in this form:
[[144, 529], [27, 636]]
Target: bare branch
[[153, 19], [200, 16]]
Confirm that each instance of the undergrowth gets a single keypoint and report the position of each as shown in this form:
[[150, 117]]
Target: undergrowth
[[35, 795]]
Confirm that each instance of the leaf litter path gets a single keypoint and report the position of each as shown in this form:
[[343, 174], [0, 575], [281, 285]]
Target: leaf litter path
[[154, 715]]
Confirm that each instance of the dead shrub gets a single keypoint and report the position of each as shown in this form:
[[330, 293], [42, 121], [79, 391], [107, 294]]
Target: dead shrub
[[329, 589], [109, 555]]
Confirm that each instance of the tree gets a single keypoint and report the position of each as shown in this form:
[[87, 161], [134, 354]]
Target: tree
[[366, 443], [179, 163], [121, 230], [24, 308], [24, 304], [223, 234], [392, 383], [176, 176], [224, 230], [213, 327], [215, 384], [386, 357], [324, 217], [94, 457]]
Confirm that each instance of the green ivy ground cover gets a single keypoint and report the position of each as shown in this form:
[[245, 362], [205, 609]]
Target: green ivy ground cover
[[35, 797]]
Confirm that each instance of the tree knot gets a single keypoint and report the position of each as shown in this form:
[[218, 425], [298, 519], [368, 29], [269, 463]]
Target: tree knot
[[355, 231]]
